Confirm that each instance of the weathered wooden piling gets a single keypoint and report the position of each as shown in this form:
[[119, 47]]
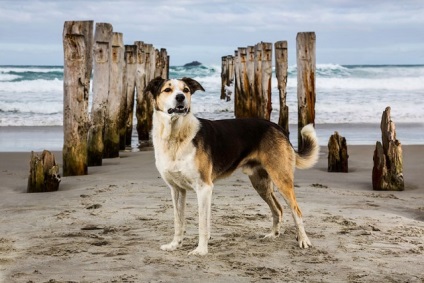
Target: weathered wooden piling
[[257, 79], [281, 72], [122, 120], [78, 60], [250, 70], [305, 49], [264, 110], [165, 59], [227, 77], [252, 81], [161, 63], [140, 79], [230, 60], [111, 136], [237, 106], [150, 62], [243, 84], [387, 172], [43, 174], [337, 154], [224, 76], [131, 69], [144, 109], [102, 57]]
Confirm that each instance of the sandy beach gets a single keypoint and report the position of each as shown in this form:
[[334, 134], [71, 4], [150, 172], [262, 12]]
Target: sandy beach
[[108, 226]]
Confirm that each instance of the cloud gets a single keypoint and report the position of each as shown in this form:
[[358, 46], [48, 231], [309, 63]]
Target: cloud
[[215, 28]]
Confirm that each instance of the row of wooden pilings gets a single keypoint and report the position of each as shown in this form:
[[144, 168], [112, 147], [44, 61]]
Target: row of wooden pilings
[[119, 72], [251, 71]]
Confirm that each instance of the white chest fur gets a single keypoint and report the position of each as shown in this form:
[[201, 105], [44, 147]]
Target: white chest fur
[[174, 151]]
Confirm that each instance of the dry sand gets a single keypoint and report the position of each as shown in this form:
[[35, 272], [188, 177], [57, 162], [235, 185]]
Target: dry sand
[[108, 227]]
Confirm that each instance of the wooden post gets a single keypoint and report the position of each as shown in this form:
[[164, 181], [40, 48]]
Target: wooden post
[[258, 77], [250, 71], [144, 109], [164, 63], [387, 173], [230, 77], [337, 154], [167, 66], [158, 66], [102, 57], [111, 137], [236, 84], [140, 83], [230, 60], [43, 174], [281, 71], [305, 49], [224, 76], [227, 77], [265, 95], [243, 80], [131, 69], [122, 121], [150, 62], [78, 60]]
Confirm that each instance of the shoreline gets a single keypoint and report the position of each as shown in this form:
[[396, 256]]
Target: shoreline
[[37, 138], [107, 226]]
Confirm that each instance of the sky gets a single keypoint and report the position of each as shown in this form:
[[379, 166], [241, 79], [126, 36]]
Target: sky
[[348, 32]]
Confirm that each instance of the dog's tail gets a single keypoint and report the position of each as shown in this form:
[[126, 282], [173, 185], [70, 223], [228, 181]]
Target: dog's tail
[[307, 155]]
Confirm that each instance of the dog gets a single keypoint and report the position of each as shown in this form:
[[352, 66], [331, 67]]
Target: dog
[[191, 153]]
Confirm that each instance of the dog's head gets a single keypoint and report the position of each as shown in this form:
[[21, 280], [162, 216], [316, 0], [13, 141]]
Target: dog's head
[[173, 96]]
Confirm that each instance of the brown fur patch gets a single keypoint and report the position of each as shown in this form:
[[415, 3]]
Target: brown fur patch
[[204, 166]]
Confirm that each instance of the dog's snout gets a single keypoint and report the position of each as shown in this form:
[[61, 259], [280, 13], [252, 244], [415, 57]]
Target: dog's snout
[[180, 97]]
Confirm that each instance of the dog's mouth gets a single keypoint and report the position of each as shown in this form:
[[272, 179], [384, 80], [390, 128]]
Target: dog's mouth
[[179, 109]]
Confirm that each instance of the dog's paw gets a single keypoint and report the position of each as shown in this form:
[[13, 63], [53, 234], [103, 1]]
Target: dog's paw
[[172, 246], [199, 251], [273, 235], [304, 242]]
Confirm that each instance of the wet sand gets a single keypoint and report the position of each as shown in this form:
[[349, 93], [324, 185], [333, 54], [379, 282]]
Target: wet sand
[[108, 226]]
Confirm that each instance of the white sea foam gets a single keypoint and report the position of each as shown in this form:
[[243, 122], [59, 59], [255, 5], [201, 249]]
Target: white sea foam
[[8, 77], [34, 69], [31, 86], [33, 96]]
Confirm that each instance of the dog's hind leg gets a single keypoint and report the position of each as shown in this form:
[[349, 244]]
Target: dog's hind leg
[[264, 186], [179, 203], [285, 185]]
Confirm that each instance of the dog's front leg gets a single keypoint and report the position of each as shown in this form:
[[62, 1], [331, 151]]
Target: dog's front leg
[[179, 202], [204, 198]]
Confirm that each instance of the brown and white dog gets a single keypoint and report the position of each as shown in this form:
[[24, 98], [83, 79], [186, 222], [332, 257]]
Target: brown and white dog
[[191, 153]]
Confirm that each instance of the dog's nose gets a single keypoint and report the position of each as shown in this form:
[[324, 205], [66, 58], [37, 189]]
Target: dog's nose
[[180, 97]]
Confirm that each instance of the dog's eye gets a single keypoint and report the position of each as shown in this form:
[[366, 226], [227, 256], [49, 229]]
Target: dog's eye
[[167, 89], [186, 90]]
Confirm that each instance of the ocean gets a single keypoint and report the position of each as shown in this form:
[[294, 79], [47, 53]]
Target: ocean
[[350, 99]]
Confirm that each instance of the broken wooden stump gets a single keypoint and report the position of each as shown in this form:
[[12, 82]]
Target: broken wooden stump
[[337, 154], [387, 173], [43, 174]]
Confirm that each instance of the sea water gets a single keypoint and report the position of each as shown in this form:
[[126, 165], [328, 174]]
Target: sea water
[[349, 98]]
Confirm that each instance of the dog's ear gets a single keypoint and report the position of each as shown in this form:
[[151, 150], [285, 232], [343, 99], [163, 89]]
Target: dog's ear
[[154, 86], [193, 85]]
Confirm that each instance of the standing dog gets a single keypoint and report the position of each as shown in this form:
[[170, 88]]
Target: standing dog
[[191, 153]]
